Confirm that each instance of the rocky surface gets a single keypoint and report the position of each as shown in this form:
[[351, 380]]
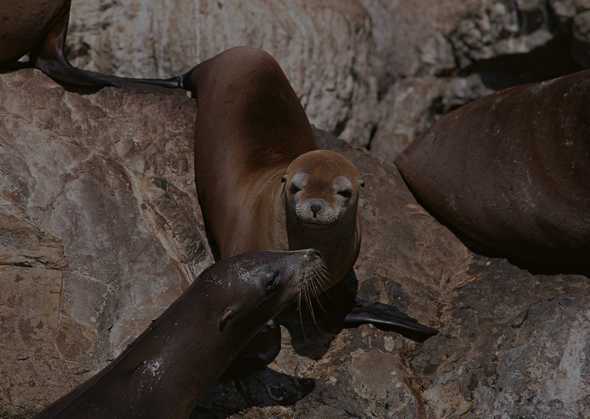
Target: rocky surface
[[374, 72], [323, 45], [99, 228], [100, 231]]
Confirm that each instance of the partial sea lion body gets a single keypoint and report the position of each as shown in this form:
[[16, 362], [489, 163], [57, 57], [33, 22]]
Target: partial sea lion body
[[39, 28], [243, 147], [263, 184], [186, 350], [510, 173], [24, 25], [250, 129]]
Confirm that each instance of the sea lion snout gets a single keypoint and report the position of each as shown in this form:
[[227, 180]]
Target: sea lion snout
[[316, 207], [321, 187], [312, 255], [316, 211]]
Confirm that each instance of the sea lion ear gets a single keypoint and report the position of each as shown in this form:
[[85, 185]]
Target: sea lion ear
[[284, 179], [227, 315], [362, 183]]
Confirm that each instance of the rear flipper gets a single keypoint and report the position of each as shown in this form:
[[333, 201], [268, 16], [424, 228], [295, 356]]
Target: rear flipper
[[64, 73], [388, 318], [49, 57]]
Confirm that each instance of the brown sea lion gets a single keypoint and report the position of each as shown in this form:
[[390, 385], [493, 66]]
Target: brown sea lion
[[510, 173], [39, 28], [263, 184], [171, 366]]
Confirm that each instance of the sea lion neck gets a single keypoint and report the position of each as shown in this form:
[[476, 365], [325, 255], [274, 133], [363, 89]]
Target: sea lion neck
[[338, 244]]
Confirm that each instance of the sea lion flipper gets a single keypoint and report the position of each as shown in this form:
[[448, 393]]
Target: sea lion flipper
[[260, 352], [389, 318], [50, 58]]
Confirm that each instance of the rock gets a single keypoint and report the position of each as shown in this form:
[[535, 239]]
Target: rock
[[581, 41], [99, 228], [516, 345], [324, 46], [100, 231]]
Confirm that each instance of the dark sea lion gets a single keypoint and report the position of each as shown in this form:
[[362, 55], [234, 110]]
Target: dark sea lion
[[171, 366], [263, 184], [510, 173], [39, 28]]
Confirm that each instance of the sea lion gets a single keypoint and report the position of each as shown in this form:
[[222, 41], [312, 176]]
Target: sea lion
[[39, 28], [264, 185], [170, 367], [509, 173]]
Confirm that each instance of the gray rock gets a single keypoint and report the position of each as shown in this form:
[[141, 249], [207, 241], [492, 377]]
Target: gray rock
[[581, 41], [325, 47], [99, 228], [516, 345]]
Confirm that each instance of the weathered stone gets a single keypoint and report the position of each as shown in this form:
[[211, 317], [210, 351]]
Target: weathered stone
[[99, 228], [324, 46], [581, 41], [516, 345]]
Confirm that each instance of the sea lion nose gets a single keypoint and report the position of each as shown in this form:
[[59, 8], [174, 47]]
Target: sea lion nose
[[311, 254], [316, 208]]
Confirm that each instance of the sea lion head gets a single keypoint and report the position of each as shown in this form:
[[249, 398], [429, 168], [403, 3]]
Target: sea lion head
[[253, 288], [321, 188]]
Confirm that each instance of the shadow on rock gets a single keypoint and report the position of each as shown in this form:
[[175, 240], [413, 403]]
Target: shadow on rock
[[262, 389]]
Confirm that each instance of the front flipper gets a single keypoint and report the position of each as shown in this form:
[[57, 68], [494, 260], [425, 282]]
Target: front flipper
[[388, 318], [259, 352]]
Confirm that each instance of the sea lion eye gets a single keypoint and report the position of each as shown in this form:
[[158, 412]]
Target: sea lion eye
[[273, 281], [346, 193], [294, 189]]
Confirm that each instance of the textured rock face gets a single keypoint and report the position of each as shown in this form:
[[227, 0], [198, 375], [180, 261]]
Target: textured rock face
[[99, 228], [324, 46], [515, 345], [440, 55], [374, 72], [99, 232]]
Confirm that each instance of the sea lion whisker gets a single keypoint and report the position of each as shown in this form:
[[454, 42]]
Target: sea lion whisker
[[311, 310], [300, 314], [316, 289]]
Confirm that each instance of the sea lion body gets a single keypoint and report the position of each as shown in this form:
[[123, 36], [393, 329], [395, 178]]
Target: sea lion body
[[39, 28], [187, 349], [264, 185], [510, 173], [250, 129]]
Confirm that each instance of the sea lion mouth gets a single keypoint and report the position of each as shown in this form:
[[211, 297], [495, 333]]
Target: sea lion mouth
[[317, 224]]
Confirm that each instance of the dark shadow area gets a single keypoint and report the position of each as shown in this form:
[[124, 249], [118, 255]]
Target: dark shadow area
[[554, 59], [261, 389], [19, 65]]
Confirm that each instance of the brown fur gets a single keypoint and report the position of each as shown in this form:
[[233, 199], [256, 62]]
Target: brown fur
[[25, 23], [251, 131]]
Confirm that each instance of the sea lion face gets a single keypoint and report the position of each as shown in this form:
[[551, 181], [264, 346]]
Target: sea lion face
[[259, 285], [321, 187]]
